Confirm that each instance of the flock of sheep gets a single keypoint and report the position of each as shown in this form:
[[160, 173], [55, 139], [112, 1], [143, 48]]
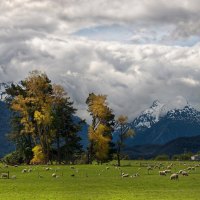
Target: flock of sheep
[[163, 170]]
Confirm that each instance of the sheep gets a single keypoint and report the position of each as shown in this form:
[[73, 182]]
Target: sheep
[[72, 167], [24, 170], [125, 175], [107, 168], [47, 168], [4, 175], [167, 171], [162, 173], [180, 171], [169, 167], [174, 177], [54, 175], [149, 168], [184, 173], [29, 170], [13, 177]]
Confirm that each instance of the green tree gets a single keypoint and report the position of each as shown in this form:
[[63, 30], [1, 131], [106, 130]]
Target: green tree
[[65, 125]]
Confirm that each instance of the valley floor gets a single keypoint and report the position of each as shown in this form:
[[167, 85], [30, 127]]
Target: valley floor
[[100, 183]]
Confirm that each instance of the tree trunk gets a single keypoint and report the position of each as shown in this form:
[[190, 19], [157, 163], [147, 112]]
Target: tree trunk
[[58, 149], [118, 156]]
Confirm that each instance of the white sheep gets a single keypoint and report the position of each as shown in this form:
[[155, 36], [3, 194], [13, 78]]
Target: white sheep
[[162, 173], [125, 175], [107, 168], [54, 175], [180, 171], [184, 173], [174, 177], [29, 170], [24, 170], [13, 177]]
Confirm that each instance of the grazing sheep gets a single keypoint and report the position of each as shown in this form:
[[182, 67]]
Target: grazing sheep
[[13, 177], [162, 173], [54, 175], [107, 168], [15, 165], [24, 170], [125, 175], [184, 173], [180, 171], [47, 168], [174, 177], [29, 170], [4, 175]]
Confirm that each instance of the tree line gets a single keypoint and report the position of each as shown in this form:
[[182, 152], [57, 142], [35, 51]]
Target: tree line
[[45, 127]]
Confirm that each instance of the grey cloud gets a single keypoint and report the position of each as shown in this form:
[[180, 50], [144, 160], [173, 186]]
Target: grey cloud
[[38, 35], [84, 66]]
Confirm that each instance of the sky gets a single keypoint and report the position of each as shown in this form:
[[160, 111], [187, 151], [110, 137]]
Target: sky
[[133, 51]]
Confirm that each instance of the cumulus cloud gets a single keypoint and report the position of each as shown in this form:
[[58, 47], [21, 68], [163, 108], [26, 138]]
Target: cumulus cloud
[[47, 35]]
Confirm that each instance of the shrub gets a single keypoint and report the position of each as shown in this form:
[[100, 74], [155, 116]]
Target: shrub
[[38, 155], [13, 158]]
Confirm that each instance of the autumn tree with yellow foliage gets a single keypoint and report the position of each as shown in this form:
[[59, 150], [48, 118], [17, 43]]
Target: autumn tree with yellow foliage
[[101, 128], [37, 109]]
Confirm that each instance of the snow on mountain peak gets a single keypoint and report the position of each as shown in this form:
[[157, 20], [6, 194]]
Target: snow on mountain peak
[[149, 116], [173, 109]]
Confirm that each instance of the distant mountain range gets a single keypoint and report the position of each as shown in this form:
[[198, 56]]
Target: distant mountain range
[[165, 129], [159, 124]]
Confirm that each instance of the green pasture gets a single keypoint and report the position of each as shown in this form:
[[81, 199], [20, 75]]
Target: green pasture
[[95, 182]]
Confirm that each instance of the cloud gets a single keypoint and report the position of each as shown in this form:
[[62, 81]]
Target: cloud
[[142, 63]]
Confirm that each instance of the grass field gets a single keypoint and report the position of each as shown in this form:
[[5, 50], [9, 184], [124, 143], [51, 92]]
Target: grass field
[[95, 182]]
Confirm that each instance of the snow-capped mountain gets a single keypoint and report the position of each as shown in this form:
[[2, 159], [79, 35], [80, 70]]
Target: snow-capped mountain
[[148, 117], [162, 123], [178, 107]]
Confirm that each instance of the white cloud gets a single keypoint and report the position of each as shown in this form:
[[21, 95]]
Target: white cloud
[[40, 35]]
